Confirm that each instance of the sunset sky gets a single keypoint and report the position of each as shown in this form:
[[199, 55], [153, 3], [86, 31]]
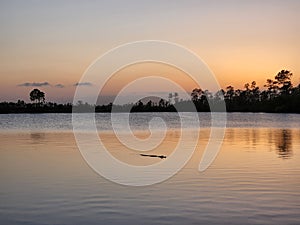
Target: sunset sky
[[49, 44]]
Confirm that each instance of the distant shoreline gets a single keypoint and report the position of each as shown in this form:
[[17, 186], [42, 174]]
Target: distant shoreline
[[20, 107], [281, 104], [70, 112], [279, 97]]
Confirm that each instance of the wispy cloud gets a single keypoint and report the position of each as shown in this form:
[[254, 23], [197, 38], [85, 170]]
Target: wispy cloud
[[34, 84], [83, 84], [41, 84], [59, 86]]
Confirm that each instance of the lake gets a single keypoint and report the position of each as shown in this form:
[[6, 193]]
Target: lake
[[255, 178]]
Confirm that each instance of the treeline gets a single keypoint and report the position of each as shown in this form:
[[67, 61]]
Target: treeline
[[278, 96], [21, 107]]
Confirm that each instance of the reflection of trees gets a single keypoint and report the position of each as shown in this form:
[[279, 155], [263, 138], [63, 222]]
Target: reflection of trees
[[37, 136], [275, 140], [284, 144]]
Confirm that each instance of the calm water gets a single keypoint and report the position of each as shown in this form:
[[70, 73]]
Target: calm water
[[140, 121], [254, 180]]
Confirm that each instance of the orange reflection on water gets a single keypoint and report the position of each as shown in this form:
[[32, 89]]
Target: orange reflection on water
[[240, 145]]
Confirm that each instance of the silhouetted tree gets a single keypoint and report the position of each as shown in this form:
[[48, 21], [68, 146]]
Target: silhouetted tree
[[229, 94], [272, 88], [162, 103], [176, 99], [219, 95], [283, 79], [170, 97], [196, 94], [37, 96]]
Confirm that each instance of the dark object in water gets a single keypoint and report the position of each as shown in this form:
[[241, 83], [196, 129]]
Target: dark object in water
[[158, 156]]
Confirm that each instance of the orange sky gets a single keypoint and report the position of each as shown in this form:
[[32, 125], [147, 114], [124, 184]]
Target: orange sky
[[55, 42]]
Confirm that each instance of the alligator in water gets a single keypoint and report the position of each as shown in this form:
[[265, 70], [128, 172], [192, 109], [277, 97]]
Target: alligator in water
[[158, 156]]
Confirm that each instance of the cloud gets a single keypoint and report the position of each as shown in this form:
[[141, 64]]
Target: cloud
[[83, 84], [59, 86], [34, 84]]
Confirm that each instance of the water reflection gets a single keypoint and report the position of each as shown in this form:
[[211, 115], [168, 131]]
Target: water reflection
[[284, 144], [37, 139], [37, 136], [280, 141], [54, 183]]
